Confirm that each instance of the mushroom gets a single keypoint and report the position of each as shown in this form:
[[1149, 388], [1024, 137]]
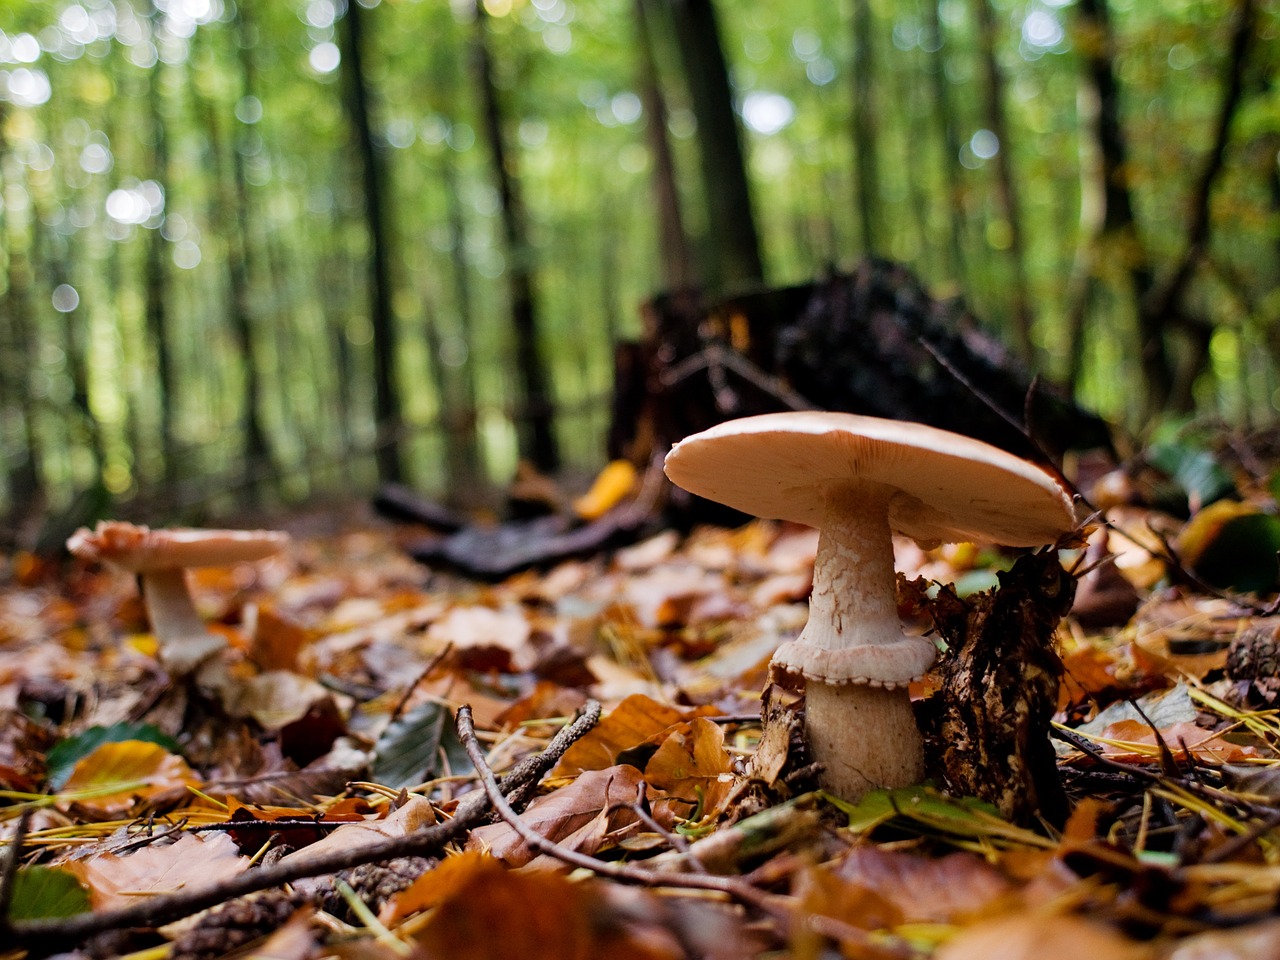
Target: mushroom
[[858, 479], [160, 558]]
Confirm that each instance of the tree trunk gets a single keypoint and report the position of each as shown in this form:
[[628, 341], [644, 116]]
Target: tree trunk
[[156, 286], [387, 407], [18, 357], [674, 251], [945, 119], [1006, 190], [734, 246], [865, 129], [535, 418]]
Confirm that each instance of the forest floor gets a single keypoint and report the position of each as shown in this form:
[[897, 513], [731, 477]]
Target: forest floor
[[307, 793]]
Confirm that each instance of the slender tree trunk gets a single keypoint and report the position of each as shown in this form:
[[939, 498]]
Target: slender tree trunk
[[944, 117], [23, 455], [1005, 185], [460, 422], [158, 322], [865, 129], [387, 406], [734, 242], [536, 418], [232, 212], [674, 251]]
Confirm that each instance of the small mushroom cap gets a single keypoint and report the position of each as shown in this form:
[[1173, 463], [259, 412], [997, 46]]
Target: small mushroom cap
[[949, 488], [143, 550]]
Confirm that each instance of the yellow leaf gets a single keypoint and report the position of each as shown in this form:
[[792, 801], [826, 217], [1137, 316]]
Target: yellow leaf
[[614, 482], [116, 774]]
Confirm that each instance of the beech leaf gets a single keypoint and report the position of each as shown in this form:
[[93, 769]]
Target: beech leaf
[[417, 746]]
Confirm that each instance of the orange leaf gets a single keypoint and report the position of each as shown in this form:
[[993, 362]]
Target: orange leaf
[[1030, 936], [636, 720], [483, 912], [117, 774]]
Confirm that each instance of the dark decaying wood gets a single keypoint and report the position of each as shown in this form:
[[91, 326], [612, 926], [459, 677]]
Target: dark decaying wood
[[871, 341]]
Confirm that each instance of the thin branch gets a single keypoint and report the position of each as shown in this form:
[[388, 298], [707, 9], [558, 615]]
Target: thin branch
[[44, 937]]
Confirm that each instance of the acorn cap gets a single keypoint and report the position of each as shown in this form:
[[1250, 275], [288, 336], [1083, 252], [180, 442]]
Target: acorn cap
[[948, 487], [140, 549]]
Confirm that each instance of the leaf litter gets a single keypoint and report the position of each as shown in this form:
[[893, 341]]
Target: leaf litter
[[328, 737]]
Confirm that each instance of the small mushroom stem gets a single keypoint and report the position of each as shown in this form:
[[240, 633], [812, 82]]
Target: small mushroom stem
[[183, 639]]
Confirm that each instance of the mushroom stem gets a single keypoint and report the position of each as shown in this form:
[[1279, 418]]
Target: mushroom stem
[[865, 737], [183, 639], [853, 587], [856, 660]]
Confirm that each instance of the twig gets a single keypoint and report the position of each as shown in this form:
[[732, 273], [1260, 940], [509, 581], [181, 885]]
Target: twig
[[1089, 750], [44, 937], [9, 871], [733, 887]]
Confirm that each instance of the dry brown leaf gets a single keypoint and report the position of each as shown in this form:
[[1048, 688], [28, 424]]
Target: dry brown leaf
[[277, 641], [692, 764], [926, 889], [478, 628], [117, 881], [1034, 936], [1258, 941], [416, 813], [484, 912], [585, 816], [820, 892], [1198, 742]]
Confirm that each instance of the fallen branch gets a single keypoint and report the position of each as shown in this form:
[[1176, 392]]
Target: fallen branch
[[45, 937]]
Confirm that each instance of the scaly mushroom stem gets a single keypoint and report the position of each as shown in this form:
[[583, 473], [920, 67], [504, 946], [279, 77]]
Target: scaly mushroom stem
[[853, 634], [183, 639], [856, 660]]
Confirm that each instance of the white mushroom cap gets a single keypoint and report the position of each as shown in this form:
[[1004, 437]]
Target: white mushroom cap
[[140, 549], [160, 558], [948, 487]]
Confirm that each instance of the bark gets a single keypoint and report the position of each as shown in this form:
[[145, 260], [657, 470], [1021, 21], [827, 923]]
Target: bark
[[734, 248], [1006, 194], [674, 251], [865, 125], [535, 426], [387, 406]]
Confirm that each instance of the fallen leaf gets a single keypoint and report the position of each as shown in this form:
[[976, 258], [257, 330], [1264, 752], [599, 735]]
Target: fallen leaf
[[926, 889], [46, 893], [586, 815], [635, 721], [1135, 740], [414, 814], [116, 775], [1031, 936], [117, 881]]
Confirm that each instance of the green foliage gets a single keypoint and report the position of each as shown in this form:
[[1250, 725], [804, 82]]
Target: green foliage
[[255, 154], [46, 893], [419, 746]]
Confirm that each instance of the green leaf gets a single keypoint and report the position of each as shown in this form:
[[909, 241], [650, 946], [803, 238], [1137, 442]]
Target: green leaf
[[418, 746], [47, 893], [67, 753], [923, 810], [1242, 554], [1195, 470]]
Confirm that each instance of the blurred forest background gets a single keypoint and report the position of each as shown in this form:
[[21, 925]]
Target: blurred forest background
[[261, 252]]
